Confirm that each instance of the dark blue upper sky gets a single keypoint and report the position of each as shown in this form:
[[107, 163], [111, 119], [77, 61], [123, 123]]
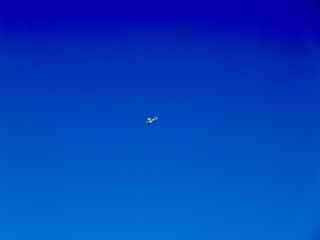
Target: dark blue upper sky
[[234, 154]]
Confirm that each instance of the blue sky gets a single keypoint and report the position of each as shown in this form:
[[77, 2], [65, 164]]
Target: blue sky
[[234, 154]]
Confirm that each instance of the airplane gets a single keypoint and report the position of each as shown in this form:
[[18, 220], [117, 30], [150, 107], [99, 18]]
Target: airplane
[[150, 120]]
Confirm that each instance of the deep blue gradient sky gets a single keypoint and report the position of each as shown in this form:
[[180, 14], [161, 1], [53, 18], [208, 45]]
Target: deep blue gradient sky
[[234, 154]]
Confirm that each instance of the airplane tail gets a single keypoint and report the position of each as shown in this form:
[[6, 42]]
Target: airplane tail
[[155, 118]]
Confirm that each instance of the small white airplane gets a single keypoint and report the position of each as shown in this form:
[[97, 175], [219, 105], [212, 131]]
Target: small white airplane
[[150, 120]]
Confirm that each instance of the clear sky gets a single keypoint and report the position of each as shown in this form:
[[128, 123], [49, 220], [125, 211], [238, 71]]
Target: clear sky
[[234, 154]]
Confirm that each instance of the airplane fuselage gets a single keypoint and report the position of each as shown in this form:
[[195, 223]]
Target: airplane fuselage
[[149, 121]]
